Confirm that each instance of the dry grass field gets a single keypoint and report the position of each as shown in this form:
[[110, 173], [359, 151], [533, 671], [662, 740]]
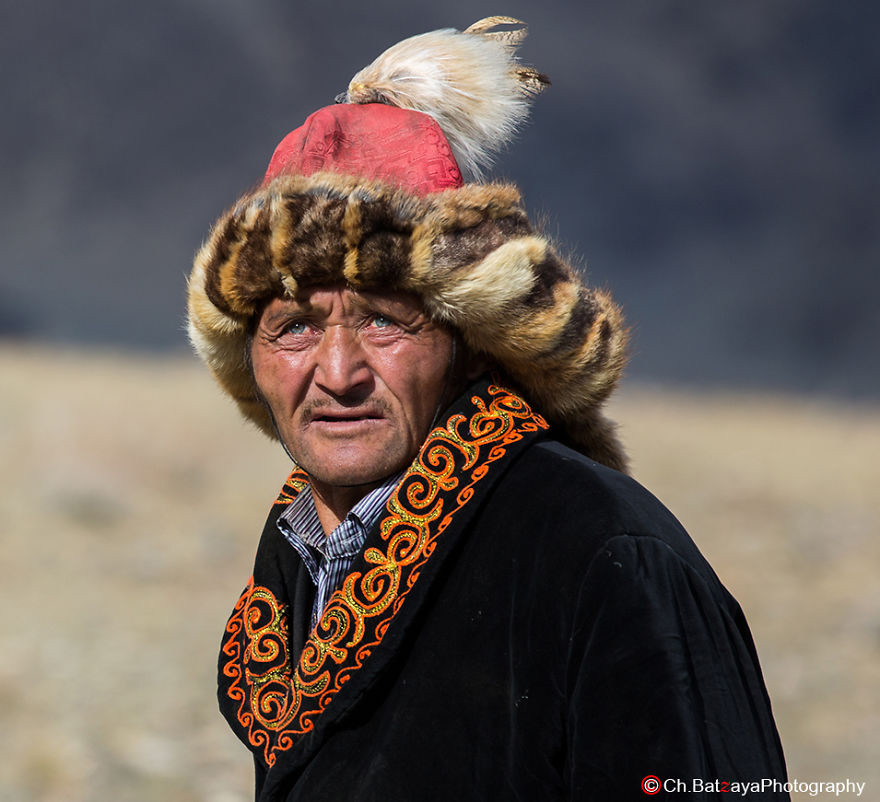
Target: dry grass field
[[131, 505]]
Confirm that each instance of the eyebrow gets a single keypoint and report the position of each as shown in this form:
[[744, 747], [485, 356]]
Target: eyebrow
[[361, 305], [290, 308]]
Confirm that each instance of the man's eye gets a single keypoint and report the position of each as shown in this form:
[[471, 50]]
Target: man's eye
[[297, 327], [381, 322]]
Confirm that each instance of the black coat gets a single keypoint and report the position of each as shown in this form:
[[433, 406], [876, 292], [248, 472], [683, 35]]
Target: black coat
[[560, 638]]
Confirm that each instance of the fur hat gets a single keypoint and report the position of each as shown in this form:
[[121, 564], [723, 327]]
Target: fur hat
[[370, 193]]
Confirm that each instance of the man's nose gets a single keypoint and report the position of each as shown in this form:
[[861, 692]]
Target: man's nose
[[341, 362]]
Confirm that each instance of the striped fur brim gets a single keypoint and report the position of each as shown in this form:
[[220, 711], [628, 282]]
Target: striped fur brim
[[469, 253]]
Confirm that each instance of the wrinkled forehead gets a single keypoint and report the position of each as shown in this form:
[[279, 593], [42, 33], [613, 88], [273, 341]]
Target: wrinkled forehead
[[340, 300]]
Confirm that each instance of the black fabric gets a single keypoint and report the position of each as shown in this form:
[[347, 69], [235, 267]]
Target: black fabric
[[300, 608], [567, 641]]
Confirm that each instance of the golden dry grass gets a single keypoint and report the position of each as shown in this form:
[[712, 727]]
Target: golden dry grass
[[132, 503]]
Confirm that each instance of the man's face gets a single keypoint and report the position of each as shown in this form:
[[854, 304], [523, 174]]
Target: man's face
[[353, 379]]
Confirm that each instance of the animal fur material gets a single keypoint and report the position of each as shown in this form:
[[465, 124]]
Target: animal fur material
[[470, 254], [469, 81]]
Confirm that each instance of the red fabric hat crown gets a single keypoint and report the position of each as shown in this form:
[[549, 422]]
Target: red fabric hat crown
[[372, 141]]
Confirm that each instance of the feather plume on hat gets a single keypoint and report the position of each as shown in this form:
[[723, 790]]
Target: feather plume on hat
[[469, 81]]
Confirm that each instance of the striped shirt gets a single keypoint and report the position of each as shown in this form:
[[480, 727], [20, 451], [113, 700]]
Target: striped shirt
[[328, 558]]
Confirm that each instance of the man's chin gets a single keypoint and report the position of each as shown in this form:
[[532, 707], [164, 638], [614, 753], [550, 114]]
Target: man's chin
[[354, 462], [363, 473]]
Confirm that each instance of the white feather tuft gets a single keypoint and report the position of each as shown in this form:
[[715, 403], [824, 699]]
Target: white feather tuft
[[469, 81]]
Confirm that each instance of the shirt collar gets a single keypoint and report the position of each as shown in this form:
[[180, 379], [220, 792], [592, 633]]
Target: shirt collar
[[299, 522]]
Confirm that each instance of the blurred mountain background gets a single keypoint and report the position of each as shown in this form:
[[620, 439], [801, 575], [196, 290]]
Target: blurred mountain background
[[715, 164]]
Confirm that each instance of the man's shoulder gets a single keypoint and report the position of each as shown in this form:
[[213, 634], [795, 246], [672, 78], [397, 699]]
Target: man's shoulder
[[560, 478], [579, 505]]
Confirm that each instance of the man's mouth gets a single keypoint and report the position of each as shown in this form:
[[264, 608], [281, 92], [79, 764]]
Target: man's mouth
[[345, 417]]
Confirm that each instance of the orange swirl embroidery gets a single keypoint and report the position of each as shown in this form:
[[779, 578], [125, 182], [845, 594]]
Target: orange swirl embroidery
[[296, 482], [275, 704]]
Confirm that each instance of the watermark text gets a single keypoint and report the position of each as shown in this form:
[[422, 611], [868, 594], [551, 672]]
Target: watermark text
[[652, 784]]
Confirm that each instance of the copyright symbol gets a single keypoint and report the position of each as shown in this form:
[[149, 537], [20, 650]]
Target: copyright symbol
[[651, 785]]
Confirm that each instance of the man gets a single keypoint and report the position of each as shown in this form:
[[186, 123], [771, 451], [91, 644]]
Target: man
[[458, 594]]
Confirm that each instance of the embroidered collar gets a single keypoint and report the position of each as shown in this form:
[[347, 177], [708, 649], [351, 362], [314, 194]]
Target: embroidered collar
[[268, 701]]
